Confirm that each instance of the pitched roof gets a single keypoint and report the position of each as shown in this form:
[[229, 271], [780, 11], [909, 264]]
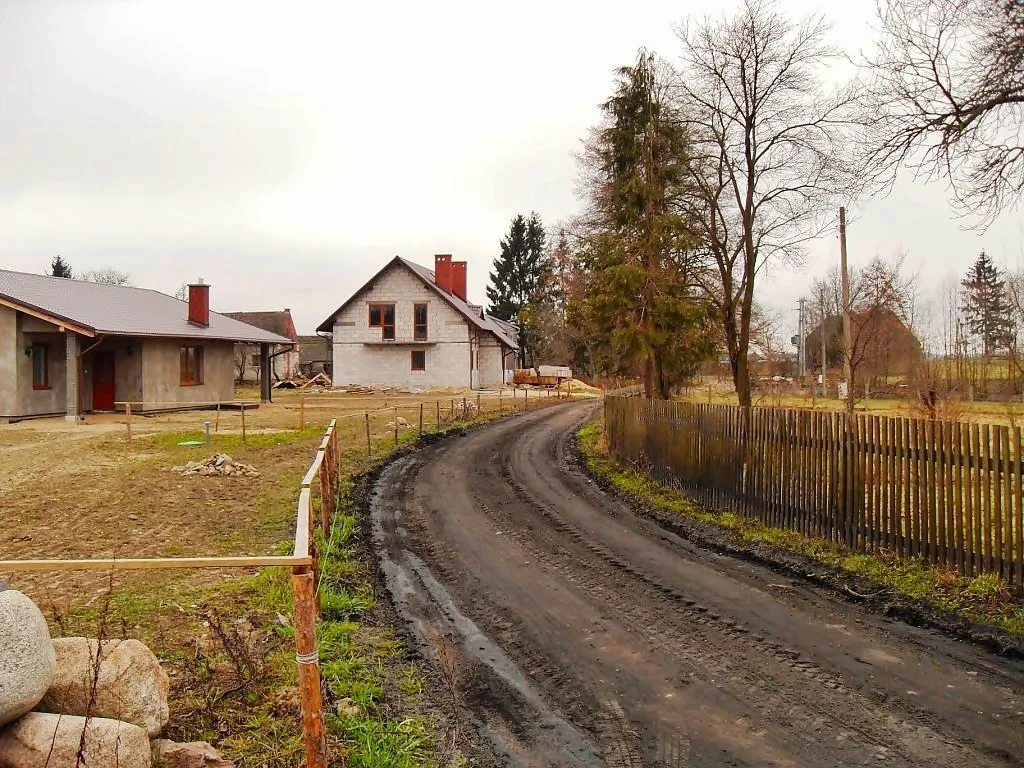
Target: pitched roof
[[279, 322], [474, 315], [119, 309]]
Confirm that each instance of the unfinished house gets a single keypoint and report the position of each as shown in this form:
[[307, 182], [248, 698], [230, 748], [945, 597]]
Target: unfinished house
[[413, 327], [284, 359], [70, 346]]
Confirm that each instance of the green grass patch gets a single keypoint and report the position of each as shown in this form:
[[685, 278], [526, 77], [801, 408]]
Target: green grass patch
[[982, 598]]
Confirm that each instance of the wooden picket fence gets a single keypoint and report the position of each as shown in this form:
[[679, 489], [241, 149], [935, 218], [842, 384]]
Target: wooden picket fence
[[949, 492]]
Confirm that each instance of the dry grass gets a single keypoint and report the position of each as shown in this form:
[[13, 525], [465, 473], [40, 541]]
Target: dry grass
[[79, 491]]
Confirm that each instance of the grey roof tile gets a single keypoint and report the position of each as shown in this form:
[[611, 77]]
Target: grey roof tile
[[121, 310]]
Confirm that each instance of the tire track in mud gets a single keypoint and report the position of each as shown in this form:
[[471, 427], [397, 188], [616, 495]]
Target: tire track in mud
[[653, 670]]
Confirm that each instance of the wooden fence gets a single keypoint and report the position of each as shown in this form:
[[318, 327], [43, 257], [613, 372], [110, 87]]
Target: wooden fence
[[948, 492]]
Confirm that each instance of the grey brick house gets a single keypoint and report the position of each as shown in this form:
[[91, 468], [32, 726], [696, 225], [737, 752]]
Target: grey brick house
[[410, 326], [70, 346]]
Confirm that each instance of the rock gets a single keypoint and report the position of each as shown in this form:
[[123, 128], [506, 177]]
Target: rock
[[27, 661], [194, 754], [43, 740], [130, 686]]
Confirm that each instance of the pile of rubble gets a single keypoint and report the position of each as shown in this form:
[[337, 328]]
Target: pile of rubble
[[218, 464]]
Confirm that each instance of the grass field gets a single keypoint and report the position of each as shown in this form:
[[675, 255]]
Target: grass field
[[79, 491], [1009, 413]]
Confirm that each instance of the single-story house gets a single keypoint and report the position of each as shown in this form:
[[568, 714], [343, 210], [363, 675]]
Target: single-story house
[[314, 355], [70, 346], [883, 345], [410, 326], [284, 360]]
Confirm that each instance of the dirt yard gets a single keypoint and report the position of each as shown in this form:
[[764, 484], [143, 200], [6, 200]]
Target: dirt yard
[[81, 491]]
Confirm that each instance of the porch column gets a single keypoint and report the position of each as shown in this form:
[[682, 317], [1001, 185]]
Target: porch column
[[71, 376], [265, 373]]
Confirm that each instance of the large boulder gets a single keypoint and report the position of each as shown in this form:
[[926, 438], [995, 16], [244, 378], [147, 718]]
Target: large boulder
[[130, 684], [194, 754], [27, 660], [44, 740]]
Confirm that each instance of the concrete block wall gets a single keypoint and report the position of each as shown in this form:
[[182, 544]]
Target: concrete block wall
[[161, 365], [36, 402], [447, 360], [491, 373], [8, 362]]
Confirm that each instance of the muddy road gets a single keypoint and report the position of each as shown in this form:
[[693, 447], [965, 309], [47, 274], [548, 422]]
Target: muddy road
[[598, 638]]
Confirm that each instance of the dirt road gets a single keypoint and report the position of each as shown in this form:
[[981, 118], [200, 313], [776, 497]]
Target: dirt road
[[600, 639]]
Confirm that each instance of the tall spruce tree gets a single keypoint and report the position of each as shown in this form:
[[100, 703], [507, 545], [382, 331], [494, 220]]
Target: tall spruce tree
[[516, 278], [986, 307], [639, 251], [60, 268]]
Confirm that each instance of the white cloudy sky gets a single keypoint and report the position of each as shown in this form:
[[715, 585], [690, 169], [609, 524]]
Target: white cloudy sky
[[283, 151]]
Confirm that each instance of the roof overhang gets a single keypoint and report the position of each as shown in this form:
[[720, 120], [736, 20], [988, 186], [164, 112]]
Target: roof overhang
[[61, 323]]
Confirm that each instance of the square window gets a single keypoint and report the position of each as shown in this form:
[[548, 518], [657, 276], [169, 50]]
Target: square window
[[419, 360], [383, 316], [40, 367]]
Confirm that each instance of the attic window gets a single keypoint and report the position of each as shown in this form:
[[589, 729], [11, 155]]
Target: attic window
[[383, 316]]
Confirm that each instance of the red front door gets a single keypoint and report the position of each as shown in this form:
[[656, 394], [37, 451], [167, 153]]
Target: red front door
[[102, 381]]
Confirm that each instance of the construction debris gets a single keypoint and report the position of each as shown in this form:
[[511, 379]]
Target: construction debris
[[218, 464], [320, 380]]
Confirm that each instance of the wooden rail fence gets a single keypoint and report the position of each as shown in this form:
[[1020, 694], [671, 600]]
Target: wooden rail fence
[[948, 492]]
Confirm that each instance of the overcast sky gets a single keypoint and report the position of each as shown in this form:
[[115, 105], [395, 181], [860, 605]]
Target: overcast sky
[[283, 152]]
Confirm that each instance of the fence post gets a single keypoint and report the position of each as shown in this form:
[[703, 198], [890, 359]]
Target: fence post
[[526, 399], [421, 419], [128, 411], [499, 403], [453, 410], [243, 422], [396, 425], [306, 656], [369, 451], [302, 411], [478, 411], [216, 424], [438, 404], [326, 495]]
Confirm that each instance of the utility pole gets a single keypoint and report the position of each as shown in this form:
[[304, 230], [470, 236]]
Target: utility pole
[[847, 344], [801, 349]]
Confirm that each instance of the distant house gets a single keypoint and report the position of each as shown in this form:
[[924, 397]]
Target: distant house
[[314, 355], [284, 359], [69, 346], [410, 326], [883, 346]]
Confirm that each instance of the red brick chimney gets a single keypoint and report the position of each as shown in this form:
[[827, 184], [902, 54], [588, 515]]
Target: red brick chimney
[[199, 304], [459, 279], [443, 271]]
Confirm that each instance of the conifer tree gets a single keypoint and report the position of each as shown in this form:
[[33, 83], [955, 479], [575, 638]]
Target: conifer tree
[[986, 307], [60, 268], [516, 277]]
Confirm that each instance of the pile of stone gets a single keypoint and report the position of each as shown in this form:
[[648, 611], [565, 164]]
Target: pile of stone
[[218, 464], [75, 701]]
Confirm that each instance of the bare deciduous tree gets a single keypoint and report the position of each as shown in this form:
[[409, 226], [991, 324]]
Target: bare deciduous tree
[[944, 95], [107, 277], [766, 141]]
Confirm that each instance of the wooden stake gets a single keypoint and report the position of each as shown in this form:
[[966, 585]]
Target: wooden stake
[[526, 399], [421, 419], [478, 405], [499, 403], [304, 621], [302, 411], [216, 424], [369, 451], [396, 425], [438, 404], [128, 411], [243, 422]]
